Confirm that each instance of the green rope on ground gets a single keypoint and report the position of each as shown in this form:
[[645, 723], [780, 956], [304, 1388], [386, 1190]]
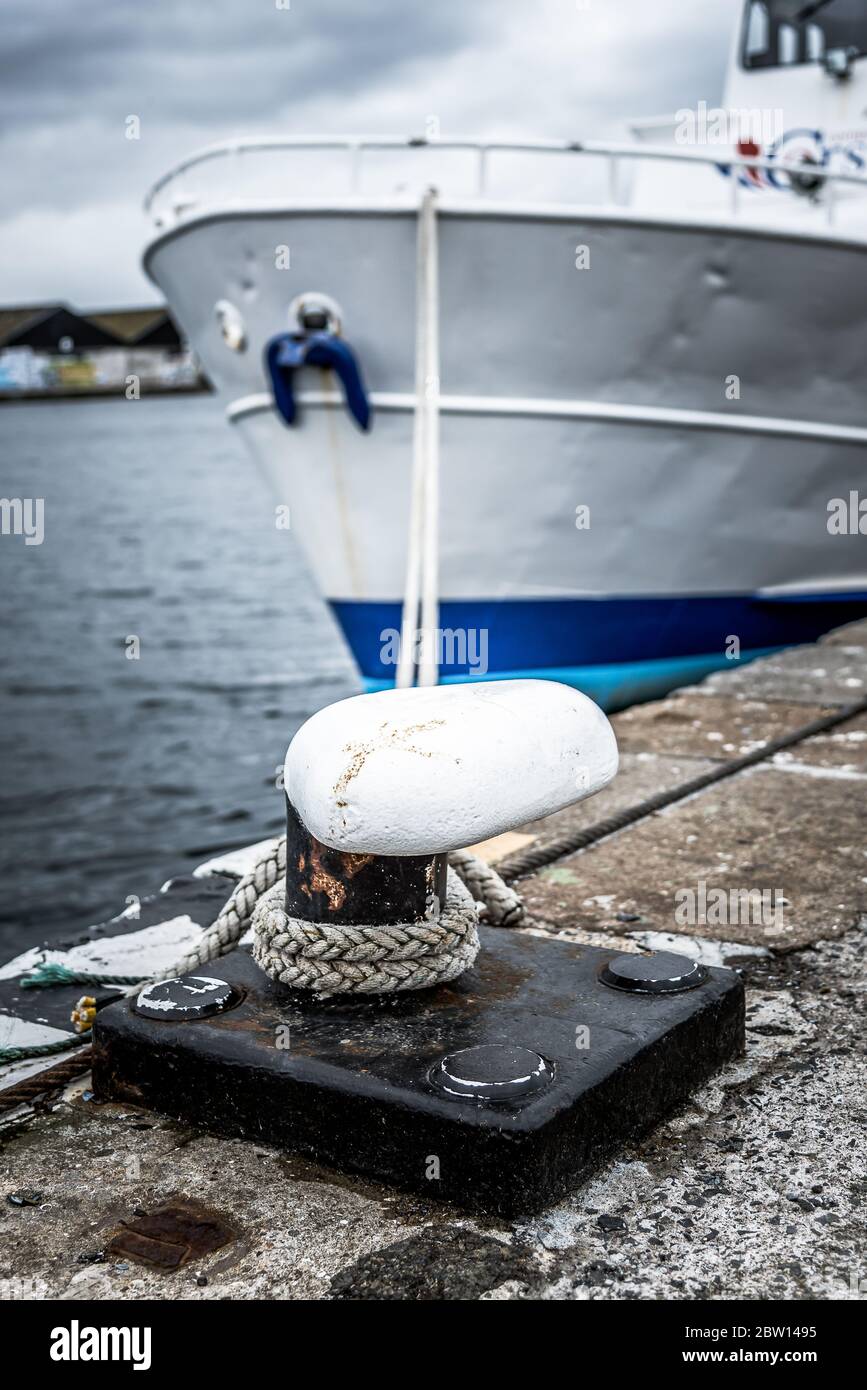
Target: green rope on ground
[[24, 1054], [52, 972], [48, 972]]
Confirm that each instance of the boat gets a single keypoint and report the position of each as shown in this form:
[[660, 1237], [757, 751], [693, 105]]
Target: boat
[[648, 385]]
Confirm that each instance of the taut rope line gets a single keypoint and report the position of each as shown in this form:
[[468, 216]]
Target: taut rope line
[[421, 586]]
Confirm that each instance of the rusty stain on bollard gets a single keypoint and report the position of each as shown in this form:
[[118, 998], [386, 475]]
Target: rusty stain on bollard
[[331, 885]]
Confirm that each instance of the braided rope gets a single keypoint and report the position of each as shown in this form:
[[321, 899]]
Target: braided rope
[[331, 959], [24, 1054], [366, 959], [502, 906], [356, 959], [54, 972], [234, 919]]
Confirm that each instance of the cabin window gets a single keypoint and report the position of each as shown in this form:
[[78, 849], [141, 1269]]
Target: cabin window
[[779, 33], [787, 44], [758, 38], [815, 43]]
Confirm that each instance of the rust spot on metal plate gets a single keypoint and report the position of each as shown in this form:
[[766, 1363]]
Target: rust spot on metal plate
[[172, 1235], [499, 979]]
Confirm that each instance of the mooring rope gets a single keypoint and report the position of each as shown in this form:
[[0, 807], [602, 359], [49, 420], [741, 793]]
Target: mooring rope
[[418, 629], [528, 861], [428, 662], [27, 1053], [358, 957], [502, 905], [294, 950], [382, 959]]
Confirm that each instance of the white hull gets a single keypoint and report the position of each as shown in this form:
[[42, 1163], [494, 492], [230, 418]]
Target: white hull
[[606, 388]]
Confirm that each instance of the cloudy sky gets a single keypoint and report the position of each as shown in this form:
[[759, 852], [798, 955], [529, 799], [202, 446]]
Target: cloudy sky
[[198, 71]]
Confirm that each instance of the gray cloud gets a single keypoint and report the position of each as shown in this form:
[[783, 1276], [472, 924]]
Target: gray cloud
[[191, 60], [196, 71]]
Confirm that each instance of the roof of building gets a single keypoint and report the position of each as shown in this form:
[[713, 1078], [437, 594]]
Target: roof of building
[[128, 325], [13, 319], [120, 327], [47, 330]]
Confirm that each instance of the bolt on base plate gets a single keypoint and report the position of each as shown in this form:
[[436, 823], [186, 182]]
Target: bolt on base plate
[[499, 1091]]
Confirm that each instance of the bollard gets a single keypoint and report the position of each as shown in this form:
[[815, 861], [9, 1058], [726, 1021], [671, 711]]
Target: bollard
[[380, 787], [521, 1074], [331, 885], [427, 770]]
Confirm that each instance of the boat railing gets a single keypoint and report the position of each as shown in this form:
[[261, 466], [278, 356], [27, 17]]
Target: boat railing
[[169, 202]]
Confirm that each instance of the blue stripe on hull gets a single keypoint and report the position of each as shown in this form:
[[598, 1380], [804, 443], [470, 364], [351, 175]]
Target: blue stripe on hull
[[617, 650]]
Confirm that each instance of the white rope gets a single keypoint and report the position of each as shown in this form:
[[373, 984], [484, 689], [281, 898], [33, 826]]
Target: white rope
[[358, 958], [474, 888], [233, 921], [332, 959], [366, 959], [500, 904], [421, 586], [428, 666]]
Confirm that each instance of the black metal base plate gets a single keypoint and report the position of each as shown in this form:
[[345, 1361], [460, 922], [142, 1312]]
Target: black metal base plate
[[356, 1082]]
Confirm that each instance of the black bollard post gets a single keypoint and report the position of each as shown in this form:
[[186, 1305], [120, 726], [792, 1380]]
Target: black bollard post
[[328, 885]]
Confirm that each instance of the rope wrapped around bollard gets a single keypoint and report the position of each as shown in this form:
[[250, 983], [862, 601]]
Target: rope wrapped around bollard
[[337, 959], [366, 959], [375, 959]]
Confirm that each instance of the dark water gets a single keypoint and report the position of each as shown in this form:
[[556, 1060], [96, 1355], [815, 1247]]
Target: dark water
[[118, 773]]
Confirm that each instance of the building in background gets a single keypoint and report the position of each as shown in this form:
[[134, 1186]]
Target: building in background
[[51, 350]]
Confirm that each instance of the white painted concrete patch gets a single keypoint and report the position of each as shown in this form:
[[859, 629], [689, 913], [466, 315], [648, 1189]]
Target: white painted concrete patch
[[782, 763], [20, 1032], [700, 948], [142, 953], [237, 862]]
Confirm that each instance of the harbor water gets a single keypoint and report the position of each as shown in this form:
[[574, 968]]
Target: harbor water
[[159, 647]]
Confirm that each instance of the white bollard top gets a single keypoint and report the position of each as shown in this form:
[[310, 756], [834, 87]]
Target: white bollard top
[[426, 770]]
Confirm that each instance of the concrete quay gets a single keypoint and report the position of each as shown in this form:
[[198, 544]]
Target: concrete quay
[[754, 1190]]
